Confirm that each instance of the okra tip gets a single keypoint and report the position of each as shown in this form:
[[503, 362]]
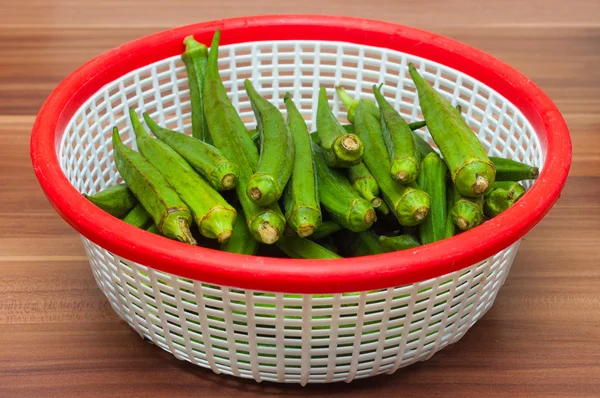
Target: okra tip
[[224, 236], [376, 202], [466, 214], [361, 216], [348, 148], [344, 96], [474, 178], [404, 170], [350, 143], [191, 44], [262, 189], [268, 233], [481, 185], [413, 207], [420, 213], [184, 234], [534, 172], [229, 181], [305, 230]]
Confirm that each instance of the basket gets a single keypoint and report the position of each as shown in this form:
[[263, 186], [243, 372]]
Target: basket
[[284, 320]]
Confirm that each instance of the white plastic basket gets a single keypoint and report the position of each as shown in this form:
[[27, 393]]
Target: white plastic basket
[[276, 335]]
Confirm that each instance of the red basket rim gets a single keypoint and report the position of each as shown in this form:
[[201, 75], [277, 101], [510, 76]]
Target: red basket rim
[[291, 275]]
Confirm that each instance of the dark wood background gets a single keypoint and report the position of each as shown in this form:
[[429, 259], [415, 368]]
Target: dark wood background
[[58, 335]]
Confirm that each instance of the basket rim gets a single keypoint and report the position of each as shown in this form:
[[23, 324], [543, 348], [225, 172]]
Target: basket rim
[[299, 275]]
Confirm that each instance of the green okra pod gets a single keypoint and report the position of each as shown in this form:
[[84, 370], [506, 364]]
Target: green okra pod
[[501, 196], [339, 199], [383, 208], [470, 168], [467, 213], [154, 229], [410, 205], [341, 149], [450, 229], [229, 134], [413, 126], [207, 160], [296, 247], [301, 198], [506, 169], [170, 214], [195, 59], [139, 217], [512, 170], [277, 150], [241, 241], [350, 104], [396, 243], [213, 215], [365, 184], [326, 229], [117, 200], [432, 180], [398, 137]]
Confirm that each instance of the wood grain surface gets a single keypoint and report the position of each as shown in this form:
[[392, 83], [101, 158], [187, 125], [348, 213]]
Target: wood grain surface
[[58, 335]]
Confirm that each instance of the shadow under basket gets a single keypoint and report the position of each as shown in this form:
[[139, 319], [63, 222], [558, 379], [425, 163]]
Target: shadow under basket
[[284, 320]]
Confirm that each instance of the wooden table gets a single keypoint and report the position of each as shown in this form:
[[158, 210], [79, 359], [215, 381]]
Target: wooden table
[[58, 335]]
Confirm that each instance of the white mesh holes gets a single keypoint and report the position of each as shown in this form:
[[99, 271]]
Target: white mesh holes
[[278, 336], [298, 338]]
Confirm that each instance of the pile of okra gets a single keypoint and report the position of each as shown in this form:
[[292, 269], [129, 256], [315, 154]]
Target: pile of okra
[[282, 191]]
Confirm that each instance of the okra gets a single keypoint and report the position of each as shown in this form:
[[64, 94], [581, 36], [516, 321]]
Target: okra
[[417, 125], [138, 217], [432, 180], [467, 213], [363, 181], [276, 159], [470, 168], [229, 134], [410, 205], [341, 149], [350, 104], [360, 244], [213, 215], [241, 241], [396, 243], [506, 169], [339, 199], [501, 196], [195, 59], [170, 214], [450, 230], [117, 200], [301, 198], [398, 137], [511, 170], [383, 208], [207, 160], [154, 229], [296, 247], [326, 229], [413, 126]]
